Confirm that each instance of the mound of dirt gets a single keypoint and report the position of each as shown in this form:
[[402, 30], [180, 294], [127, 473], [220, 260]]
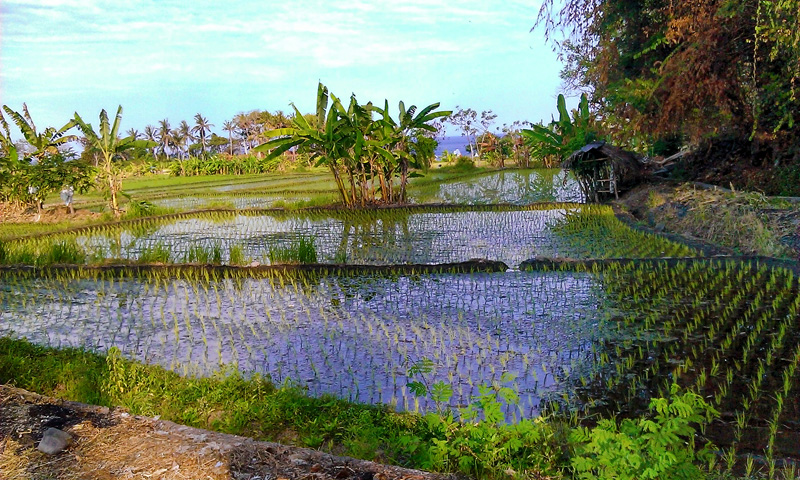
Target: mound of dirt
[[50, 214], [110, 443]]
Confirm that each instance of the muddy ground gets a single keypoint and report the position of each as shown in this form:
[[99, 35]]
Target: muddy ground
[[50, 214], [112, 444]]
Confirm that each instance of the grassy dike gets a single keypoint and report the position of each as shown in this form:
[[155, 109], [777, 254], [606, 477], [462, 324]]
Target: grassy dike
[[256, 408], [482, 445]]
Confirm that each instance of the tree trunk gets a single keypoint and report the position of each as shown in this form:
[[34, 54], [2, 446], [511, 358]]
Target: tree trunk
[[403, 179], [353, 190], [339, 183]]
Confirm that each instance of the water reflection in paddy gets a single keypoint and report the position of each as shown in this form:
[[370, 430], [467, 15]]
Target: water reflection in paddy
[[353, 337]]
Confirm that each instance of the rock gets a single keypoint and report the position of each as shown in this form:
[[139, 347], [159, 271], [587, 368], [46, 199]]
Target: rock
[[660, 227], [54, 441]]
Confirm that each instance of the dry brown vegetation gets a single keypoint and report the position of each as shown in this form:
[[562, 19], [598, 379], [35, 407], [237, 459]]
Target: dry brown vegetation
[[745, 223]]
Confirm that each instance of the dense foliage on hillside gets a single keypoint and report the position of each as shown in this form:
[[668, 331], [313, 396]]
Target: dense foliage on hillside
[[697, 72]]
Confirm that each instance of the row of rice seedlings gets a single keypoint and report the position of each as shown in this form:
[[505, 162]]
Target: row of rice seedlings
[[518, 187], [597, 232], [386, 236], [350, 336], [734, 304], [250, 200], [69, 251]]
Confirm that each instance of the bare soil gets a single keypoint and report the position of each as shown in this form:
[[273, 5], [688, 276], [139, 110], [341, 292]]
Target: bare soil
[[50, 214], [112, 444]]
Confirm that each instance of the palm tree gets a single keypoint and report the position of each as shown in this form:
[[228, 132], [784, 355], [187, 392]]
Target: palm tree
[[201, 128], [110, 146], [151, 135], [44, 143], [229, 126], [165, 136], [247, 126], [183, 137], [133, 133]]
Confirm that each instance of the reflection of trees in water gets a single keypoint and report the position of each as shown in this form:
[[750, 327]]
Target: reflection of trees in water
[[389, 238], [517, 187]]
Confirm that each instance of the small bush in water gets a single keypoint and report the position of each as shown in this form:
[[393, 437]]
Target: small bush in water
[[301, 250]]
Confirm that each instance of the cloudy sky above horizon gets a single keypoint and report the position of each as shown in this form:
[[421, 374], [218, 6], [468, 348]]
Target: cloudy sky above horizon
[[170, 59]]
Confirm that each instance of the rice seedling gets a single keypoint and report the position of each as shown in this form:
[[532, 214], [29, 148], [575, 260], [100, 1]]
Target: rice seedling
[[287, 326], [155, 254], [422, 234], [300, 250]]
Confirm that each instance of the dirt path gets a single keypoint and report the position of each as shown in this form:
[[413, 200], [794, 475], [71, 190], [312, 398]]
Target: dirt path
[[112, 444]]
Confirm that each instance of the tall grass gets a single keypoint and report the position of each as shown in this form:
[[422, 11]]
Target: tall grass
[[300, 250]]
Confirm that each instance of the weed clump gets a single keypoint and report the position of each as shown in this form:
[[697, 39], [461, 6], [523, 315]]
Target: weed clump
[[301, 250]]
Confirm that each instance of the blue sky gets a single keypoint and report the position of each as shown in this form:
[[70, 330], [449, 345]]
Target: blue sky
[[170, 59]]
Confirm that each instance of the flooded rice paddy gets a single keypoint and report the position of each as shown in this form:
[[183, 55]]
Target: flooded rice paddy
[[385, 237], [353, 337], [517, 187]]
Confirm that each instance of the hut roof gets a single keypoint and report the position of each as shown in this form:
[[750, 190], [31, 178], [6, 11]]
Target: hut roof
[[626, 164]]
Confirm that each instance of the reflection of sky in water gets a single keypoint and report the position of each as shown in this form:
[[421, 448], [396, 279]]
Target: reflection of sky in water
[[519, 187], [349, 336], [380, 238]]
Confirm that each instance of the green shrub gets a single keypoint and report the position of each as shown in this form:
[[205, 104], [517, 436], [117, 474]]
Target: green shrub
[[644, 448], [143, 208], [464, 164]]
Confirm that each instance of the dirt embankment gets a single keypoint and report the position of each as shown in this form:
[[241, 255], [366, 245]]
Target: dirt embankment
[[50, 214], [718, 221], [112, 444]]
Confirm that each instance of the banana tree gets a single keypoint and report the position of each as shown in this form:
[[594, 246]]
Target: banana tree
[[45, 142], [408, 127], [560, 138], [325, 139], [111, 147], [9, 162], [357, 148]]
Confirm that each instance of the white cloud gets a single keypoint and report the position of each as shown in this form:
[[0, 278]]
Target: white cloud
[[105, 47]]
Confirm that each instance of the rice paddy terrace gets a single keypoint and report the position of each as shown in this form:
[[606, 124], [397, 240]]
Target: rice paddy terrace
[[588, 336]]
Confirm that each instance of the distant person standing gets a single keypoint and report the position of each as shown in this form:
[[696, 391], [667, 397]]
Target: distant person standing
[[66, 196], [33, 191]]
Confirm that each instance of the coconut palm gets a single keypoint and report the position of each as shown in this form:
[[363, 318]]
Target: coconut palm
[[201, 129], [183, 137], [133, 133], [229, 126], [166, 140], [151, 135], [107, 142]]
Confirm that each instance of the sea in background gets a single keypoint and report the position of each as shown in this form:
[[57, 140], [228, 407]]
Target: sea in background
[[451, 144]]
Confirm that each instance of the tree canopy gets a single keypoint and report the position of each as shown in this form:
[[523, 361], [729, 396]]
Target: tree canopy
[[362, 145], [698, 69]]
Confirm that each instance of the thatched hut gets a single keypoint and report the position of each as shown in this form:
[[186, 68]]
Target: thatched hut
[[604, 170]]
